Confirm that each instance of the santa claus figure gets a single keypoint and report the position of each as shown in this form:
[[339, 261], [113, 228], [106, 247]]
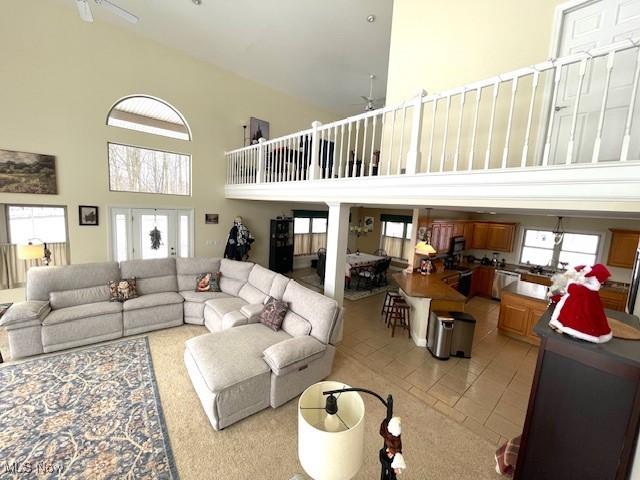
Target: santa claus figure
[[391, 456], [579, 312]]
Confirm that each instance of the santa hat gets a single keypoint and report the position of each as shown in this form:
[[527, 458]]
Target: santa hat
[[398, 462], [395, 426], [580, 312]]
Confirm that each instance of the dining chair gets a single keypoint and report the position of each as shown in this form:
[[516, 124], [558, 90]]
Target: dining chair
[[380, 253]]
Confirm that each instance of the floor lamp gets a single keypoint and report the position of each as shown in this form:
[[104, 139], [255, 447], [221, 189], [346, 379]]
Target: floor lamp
[[33, 252]]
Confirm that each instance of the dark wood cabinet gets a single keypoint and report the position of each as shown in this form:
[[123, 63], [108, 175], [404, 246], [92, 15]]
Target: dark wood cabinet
[[482, 281], [281, 246], [479, 234], [584, 410], [623, 248]]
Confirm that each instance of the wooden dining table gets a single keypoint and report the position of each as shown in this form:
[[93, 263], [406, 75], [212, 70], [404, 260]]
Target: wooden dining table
[[359, 260]]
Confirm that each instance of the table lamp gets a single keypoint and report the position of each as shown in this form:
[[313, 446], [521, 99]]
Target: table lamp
[[33, 252], [424, 248]]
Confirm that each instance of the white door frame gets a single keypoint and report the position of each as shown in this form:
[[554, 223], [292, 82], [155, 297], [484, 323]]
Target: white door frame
[[127, 210], [554, 49]]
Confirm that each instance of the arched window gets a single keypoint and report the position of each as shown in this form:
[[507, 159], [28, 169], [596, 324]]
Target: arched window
[[150, 115]]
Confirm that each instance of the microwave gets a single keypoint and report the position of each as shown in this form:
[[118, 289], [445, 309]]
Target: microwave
[[456, 245]]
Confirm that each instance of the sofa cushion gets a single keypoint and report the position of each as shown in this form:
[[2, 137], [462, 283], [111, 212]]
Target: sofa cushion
[[152, 276], [222, 306], [152, 300], [79, 296], [320, 311], [233, 319], [82, 311], [189, 268], [252, 311], [251, 294], [293, 353], [201, 297], [278, 286], [261, 278], [232, 356], [273, 313], [230, 285], [43, 280], [235, 269], [25, 312], [295, 325]]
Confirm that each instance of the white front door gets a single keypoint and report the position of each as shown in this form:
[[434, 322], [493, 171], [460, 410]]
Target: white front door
[[133, 229], [584, 27]]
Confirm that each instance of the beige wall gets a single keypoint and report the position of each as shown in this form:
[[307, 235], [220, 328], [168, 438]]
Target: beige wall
[[440, 44], [59, 77]]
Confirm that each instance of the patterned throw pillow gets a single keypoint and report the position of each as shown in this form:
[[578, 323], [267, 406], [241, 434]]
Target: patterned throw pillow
[[208, 282], [273, 313], [122, 290]]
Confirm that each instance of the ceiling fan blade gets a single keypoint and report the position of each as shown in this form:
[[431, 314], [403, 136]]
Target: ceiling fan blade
[[116, 10], [84, 10], [366, 99]]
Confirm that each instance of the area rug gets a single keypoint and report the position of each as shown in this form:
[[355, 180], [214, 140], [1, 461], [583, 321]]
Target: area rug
[[352, 294], [91, 413]]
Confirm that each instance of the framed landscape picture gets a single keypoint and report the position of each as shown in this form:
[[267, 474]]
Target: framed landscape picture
[[23, 172], [88, 215], [211, 218]]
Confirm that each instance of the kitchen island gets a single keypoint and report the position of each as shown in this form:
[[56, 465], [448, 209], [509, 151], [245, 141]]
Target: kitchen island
[[521, 306], [425, 294]]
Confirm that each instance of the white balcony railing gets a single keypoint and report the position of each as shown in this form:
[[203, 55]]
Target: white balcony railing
[[570, 111]]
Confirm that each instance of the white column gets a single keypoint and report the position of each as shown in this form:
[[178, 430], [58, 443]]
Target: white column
[[337, 238], [314, 167], [260, 169]]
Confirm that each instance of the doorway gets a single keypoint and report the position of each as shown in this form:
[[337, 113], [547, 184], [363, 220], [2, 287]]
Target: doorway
[[581, 26], [133, 228]]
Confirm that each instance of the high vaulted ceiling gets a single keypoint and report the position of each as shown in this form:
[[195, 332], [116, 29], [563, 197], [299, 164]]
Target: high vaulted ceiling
[[321, 51]]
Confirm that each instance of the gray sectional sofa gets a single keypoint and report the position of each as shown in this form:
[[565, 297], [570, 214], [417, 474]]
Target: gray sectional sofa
[[239, 368]]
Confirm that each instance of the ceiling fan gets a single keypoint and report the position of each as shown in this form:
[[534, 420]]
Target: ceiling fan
[[370, 103], [85, 10]]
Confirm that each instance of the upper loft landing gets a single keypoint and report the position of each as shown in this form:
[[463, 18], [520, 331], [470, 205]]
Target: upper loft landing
[[564, 133]]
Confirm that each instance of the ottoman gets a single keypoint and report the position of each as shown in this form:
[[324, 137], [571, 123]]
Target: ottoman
[[228, 371]]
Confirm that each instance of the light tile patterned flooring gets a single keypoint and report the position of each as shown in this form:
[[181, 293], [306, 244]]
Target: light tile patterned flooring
[[487, 393]]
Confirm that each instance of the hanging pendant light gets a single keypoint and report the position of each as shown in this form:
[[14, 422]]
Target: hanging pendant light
[[558, 232]]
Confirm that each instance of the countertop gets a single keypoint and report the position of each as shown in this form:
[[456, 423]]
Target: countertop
[[528, 290], [429, 286], [627, 351]]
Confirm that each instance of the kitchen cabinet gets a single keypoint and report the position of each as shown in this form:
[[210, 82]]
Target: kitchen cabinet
[[538, 279], [613, 299], [482, 281], [623, 248], [521, 306], [493, 236], [479, 234]]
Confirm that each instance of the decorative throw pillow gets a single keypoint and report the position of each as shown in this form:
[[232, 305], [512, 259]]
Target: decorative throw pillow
[[122, 290], [208, 282], [273, 313]]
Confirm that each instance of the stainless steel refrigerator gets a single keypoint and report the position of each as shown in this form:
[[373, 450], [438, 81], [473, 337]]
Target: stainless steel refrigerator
[[633, 300]]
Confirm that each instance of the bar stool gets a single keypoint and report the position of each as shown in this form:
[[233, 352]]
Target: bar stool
[[386, 306], [400, 316]]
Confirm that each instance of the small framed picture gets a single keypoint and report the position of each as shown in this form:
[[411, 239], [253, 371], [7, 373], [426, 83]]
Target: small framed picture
[[211, 218], [88, 215], [368, 224]]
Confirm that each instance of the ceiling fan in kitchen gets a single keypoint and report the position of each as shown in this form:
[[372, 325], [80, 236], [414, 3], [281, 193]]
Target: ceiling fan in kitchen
[[84, 9], [370, 102]]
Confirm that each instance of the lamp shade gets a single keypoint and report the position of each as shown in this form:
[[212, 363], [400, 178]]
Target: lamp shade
[[327, 449], [423, 248], [30, 251]]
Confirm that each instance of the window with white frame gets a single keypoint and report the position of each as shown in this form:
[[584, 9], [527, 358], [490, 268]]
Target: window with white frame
[[309, 232], [42, 223], [539, 248], [135, 169], [395, 238]]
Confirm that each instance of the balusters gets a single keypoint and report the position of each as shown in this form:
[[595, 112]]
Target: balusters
[[487, 155], [576, 106], [456, 155], [341, 150], [534, 87], [335, 149], [557, 73], [355, 150], [391, 137], [626, 139], [446, 133], [475, 128], [433, 129], [505, 151], [346, 172], [381, 149], [364, 147], [373, 137], [404, 118]]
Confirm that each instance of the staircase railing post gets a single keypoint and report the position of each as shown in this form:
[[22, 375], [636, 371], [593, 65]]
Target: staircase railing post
[[314, 168], [260, 169], [413, 154]]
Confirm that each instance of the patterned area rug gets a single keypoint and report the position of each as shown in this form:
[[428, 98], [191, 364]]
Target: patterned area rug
[[349, 293], [93, 413]]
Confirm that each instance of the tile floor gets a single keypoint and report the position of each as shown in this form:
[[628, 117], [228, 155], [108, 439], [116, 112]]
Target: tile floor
[[487, 393]]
